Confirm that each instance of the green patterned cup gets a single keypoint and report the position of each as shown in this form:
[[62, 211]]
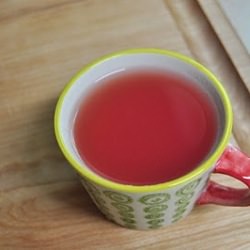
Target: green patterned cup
[[154, 206]]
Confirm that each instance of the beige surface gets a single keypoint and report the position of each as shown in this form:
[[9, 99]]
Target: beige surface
[[43, 43], [237, 13], [228, 37]]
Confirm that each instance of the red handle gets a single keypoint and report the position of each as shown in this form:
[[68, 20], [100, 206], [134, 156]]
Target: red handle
[[236, 164]]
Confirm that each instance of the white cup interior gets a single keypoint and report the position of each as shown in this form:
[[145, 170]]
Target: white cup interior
[[92, 75]]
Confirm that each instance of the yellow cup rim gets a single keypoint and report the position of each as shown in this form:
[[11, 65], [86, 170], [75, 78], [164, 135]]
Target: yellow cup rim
[[204, 167]]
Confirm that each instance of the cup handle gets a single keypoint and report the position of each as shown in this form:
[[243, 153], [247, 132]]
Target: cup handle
[[236, 164]]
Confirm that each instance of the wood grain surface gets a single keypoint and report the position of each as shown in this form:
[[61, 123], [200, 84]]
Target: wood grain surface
[[43, 43]]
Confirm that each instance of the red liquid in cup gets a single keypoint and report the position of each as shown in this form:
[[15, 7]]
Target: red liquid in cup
[[145, 127]]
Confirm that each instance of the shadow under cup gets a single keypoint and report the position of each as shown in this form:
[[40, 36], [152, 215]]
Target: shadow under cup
[[77, 89]]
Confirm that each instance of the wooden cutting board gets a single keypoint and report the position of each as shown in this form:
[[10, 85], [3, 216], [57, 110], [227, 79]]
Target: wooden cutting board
[[43, 43]]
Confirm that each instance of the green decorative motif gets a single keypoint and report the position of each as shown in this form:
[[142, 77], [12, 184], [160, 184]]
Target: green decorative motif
[[122, 207], [128, 220], [154, 216], [103, 207], [99, 199], [120, 203], [126, 214], [178, 214], [156, 222], [118, 197], [155, 208], [118, 206], [180, 209], [189, 188], [154, 199], [92, 188], [185, 194], [182, 202], [95, 195]]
